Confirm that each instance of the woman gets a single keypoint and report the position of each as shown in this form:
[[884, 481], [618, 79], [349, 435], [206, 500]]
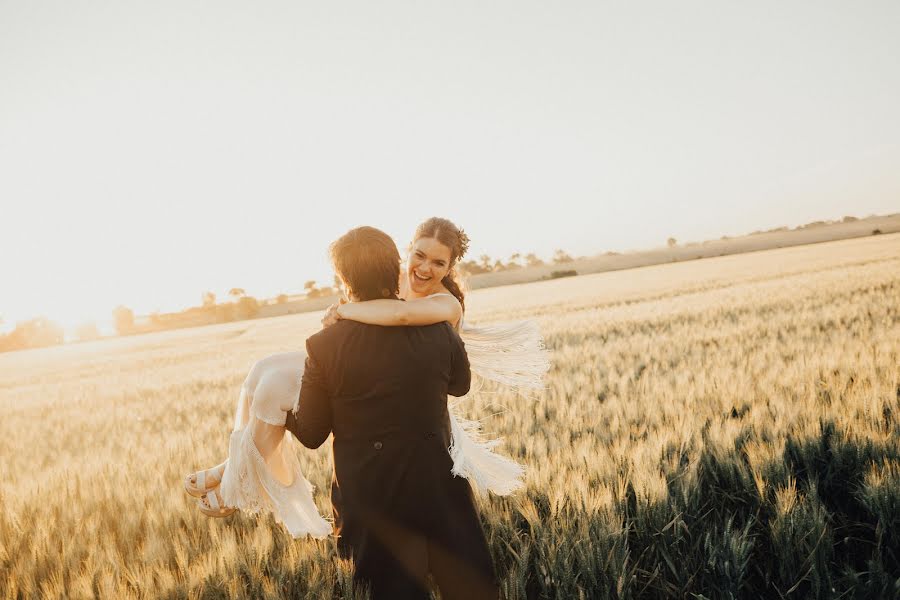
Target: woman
[[262, 472]]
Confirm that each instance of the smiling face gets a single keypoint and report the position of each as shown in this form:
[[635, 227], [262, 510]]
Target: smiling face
[[429, 263]]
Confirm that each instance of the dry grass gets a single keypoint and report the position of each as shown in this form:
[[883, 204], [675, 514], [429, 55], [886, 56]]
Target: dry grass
[[726, 427]]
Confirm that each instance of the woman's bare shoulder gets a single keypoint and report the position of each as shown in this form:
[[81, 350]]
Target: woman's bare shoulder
[[443, 292], [457, 305]]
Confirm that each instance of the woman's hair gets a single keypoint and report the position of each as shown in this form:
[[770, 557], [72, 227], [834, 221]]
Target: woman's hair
[[367, 260], [447, 233]]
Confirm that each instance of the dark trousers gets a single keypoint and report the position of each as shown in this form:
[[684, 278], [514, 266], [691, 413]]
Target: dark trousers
[[395, 561]]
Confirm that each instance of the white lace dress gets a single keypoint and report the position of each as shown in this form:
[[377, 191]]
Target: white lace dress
[[249, 483], [512, 354]]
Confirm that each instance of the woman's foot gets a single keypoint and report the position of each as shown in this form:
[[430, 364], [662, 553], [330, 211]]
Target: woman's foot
[[211, 505], [197, 484]]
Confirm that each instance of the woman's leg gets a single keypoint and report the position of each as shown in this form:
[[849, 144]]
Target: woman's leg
[[262, 472], [269, 439], [259, 396], [273, 397]]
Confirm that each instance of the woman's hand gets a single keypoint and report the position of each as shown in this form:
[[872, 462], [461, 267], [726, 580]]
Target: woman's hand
[[332, 315]]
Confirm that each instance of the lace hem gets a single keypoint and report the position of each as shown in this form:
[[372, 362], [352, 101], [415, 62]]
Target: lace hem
[[249, 485]]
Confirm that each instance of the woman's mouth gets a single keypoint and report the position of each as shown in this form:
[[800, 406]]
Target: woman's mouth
[[421, 278]]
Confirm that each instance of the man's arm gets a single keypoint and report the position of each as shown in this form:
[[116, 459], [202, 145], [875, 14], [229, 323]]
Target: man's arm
[[311, 424], [460, 372]]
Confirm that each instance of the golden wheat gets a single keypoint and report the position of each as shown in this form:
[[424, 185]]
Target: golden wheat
[[660, 376]]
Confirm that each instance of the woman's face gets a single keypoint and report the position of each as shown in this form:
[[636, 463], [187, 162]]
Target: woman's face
[[428, 264]]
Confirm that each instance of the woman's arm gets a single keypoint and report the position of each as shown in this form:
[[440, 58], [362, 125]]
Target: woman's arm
[[422, 311]]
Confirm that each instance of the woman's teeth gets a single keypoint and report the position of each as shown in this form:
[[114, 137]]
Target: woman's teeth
[[417, 276]]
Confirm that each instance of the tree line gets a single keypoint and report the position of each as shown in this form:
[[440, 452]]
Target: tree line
[[40, 332], [486, 264]]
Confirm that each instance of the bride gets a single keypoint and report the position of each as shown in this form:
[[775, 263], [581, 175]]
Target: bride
[[262, 472]]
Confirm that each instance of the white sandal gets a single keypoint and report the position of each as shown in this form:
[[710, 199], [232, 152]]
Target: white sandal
[[215, 508], [198, 489]]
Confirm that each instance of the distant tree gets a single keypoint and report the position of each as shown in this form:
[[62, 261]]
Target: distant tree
[[671, 242], [35, 333], [247, 307], [485, 261], [209, 300], [311, 290], [224, 312], [281, 299], [470, 267], [123, 320], [498, 265], [849, 219], [237, 292], [87, 331], [514, 261], [561, 256], [532, 260]]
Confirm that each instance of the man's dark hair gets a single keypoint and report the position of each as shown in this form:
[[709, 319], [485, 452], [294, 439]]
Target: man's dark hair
[[369, 263]]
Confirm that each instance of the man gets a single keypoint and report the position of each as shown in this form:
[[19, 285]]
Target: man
[[382, 391]]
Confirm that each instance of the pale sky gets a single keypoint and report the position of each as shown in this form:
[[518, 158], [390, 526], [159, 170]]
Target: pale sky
[[150, 151]]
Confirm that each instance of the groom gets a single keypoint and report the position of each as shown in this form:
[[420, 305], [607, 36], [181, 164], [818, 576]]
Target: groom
[[382, 391]]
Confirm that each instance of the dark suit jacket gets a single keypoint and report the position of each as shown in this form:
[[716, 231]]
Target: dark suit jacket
[[399, 512]]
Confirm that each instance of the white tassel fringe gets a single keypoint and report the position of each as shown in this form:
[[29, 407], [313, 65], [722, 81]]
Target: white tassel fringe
[[511, 354], [474, 459]]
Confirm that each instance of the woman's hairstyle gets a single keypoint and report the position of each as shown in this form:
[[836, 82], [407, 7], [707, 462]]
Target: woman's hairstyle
[[447, 233], [368, 261]]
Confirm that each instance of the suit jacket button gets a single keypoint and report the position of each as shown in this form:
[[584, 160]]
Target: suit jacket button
[[378, 445]]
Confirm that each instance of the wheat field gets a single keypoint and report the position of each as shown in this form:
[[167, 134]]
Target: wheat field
[[722, 428]]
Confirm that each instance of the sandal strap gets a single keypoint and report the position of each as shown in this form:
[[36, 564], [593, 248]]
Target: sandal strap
[[201, 480], [213, 499]]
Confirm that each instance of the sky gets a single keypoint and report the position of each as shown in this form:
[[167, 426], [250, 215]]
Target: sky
[[151, 151]]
